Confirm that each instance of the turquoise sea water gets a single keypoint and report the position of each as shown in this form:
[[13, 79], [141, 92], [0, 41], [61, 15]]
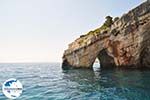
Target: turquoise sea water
[[47, 81]]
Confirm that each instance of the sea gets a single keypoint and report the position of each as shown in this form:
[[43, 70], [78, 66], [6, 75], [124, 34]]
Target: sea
[[47, 81]]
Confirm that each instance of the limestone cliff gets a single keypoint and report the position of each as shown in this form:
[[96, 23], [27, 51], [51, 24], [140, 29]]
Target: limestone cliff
[[125, 44]]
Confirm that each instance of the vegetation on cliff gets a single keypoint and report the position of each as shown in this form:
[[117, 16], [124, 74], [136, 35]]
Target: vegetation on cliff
[[126, 42], [107, 24], [103, 29]]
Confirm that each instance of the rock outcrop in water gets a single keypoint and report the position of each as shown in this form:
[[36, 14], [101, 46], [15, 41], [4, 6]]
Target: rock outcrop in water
[[125, 44]]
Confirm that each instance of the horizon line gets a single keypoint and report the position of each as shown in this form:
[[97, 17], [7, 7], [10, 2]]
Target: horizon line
[[28, 62]]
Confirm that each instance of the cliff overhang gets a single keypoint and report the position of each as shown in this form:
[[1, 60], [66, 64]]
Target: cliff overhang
[[125, 44]]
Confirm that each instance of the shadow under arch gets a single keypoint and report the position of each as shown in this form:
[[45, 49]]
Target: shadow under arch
[[105, 60]]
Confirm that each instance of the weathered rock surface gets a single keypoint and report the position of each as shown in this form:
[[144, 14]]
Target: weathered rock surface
[[125, 44]]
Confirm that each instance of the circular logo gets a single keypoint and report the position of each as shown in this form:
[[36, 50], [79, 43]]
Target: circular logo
[[12, 88]]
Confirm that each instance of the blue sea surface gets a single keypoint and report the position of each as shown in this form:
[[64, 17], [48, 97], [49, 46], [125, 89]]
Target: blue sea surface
[[47, 81]]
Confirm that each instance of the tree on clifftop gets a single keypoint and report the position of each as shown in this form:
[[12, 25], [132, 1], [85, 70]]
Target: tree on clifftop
[[107, 24], [109, 21]]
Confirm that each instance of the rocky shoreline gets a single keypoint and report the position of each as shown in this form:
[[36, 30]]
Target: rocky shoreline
[[126, 44]]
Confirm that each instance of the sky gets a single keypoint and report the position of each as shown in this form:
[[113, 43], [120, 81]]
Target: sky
[[40, 30]]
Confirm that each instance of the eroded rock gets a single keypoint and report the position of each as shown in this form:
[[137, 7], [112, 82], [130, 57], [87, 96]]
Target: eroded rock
[[125, 44]]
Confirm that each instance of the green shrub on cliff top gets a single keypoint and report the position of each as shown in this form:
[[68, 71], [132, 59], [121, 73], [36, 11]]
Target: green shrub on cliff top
[[107, 24]]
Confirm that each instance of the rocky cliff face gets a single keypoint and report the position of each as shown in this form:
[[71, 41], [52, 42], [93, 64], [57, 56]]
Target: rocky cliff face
[[125, 44]]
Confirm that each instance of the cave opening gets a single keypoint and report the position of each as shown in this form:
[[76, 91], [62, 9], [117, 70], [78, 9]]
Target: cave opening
[[96, 65], [103, 61]]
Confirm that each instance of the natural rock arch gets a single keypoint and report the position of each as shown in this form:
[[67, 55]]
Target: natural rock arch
[[84, 57], [105, 60], [126, 43]]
